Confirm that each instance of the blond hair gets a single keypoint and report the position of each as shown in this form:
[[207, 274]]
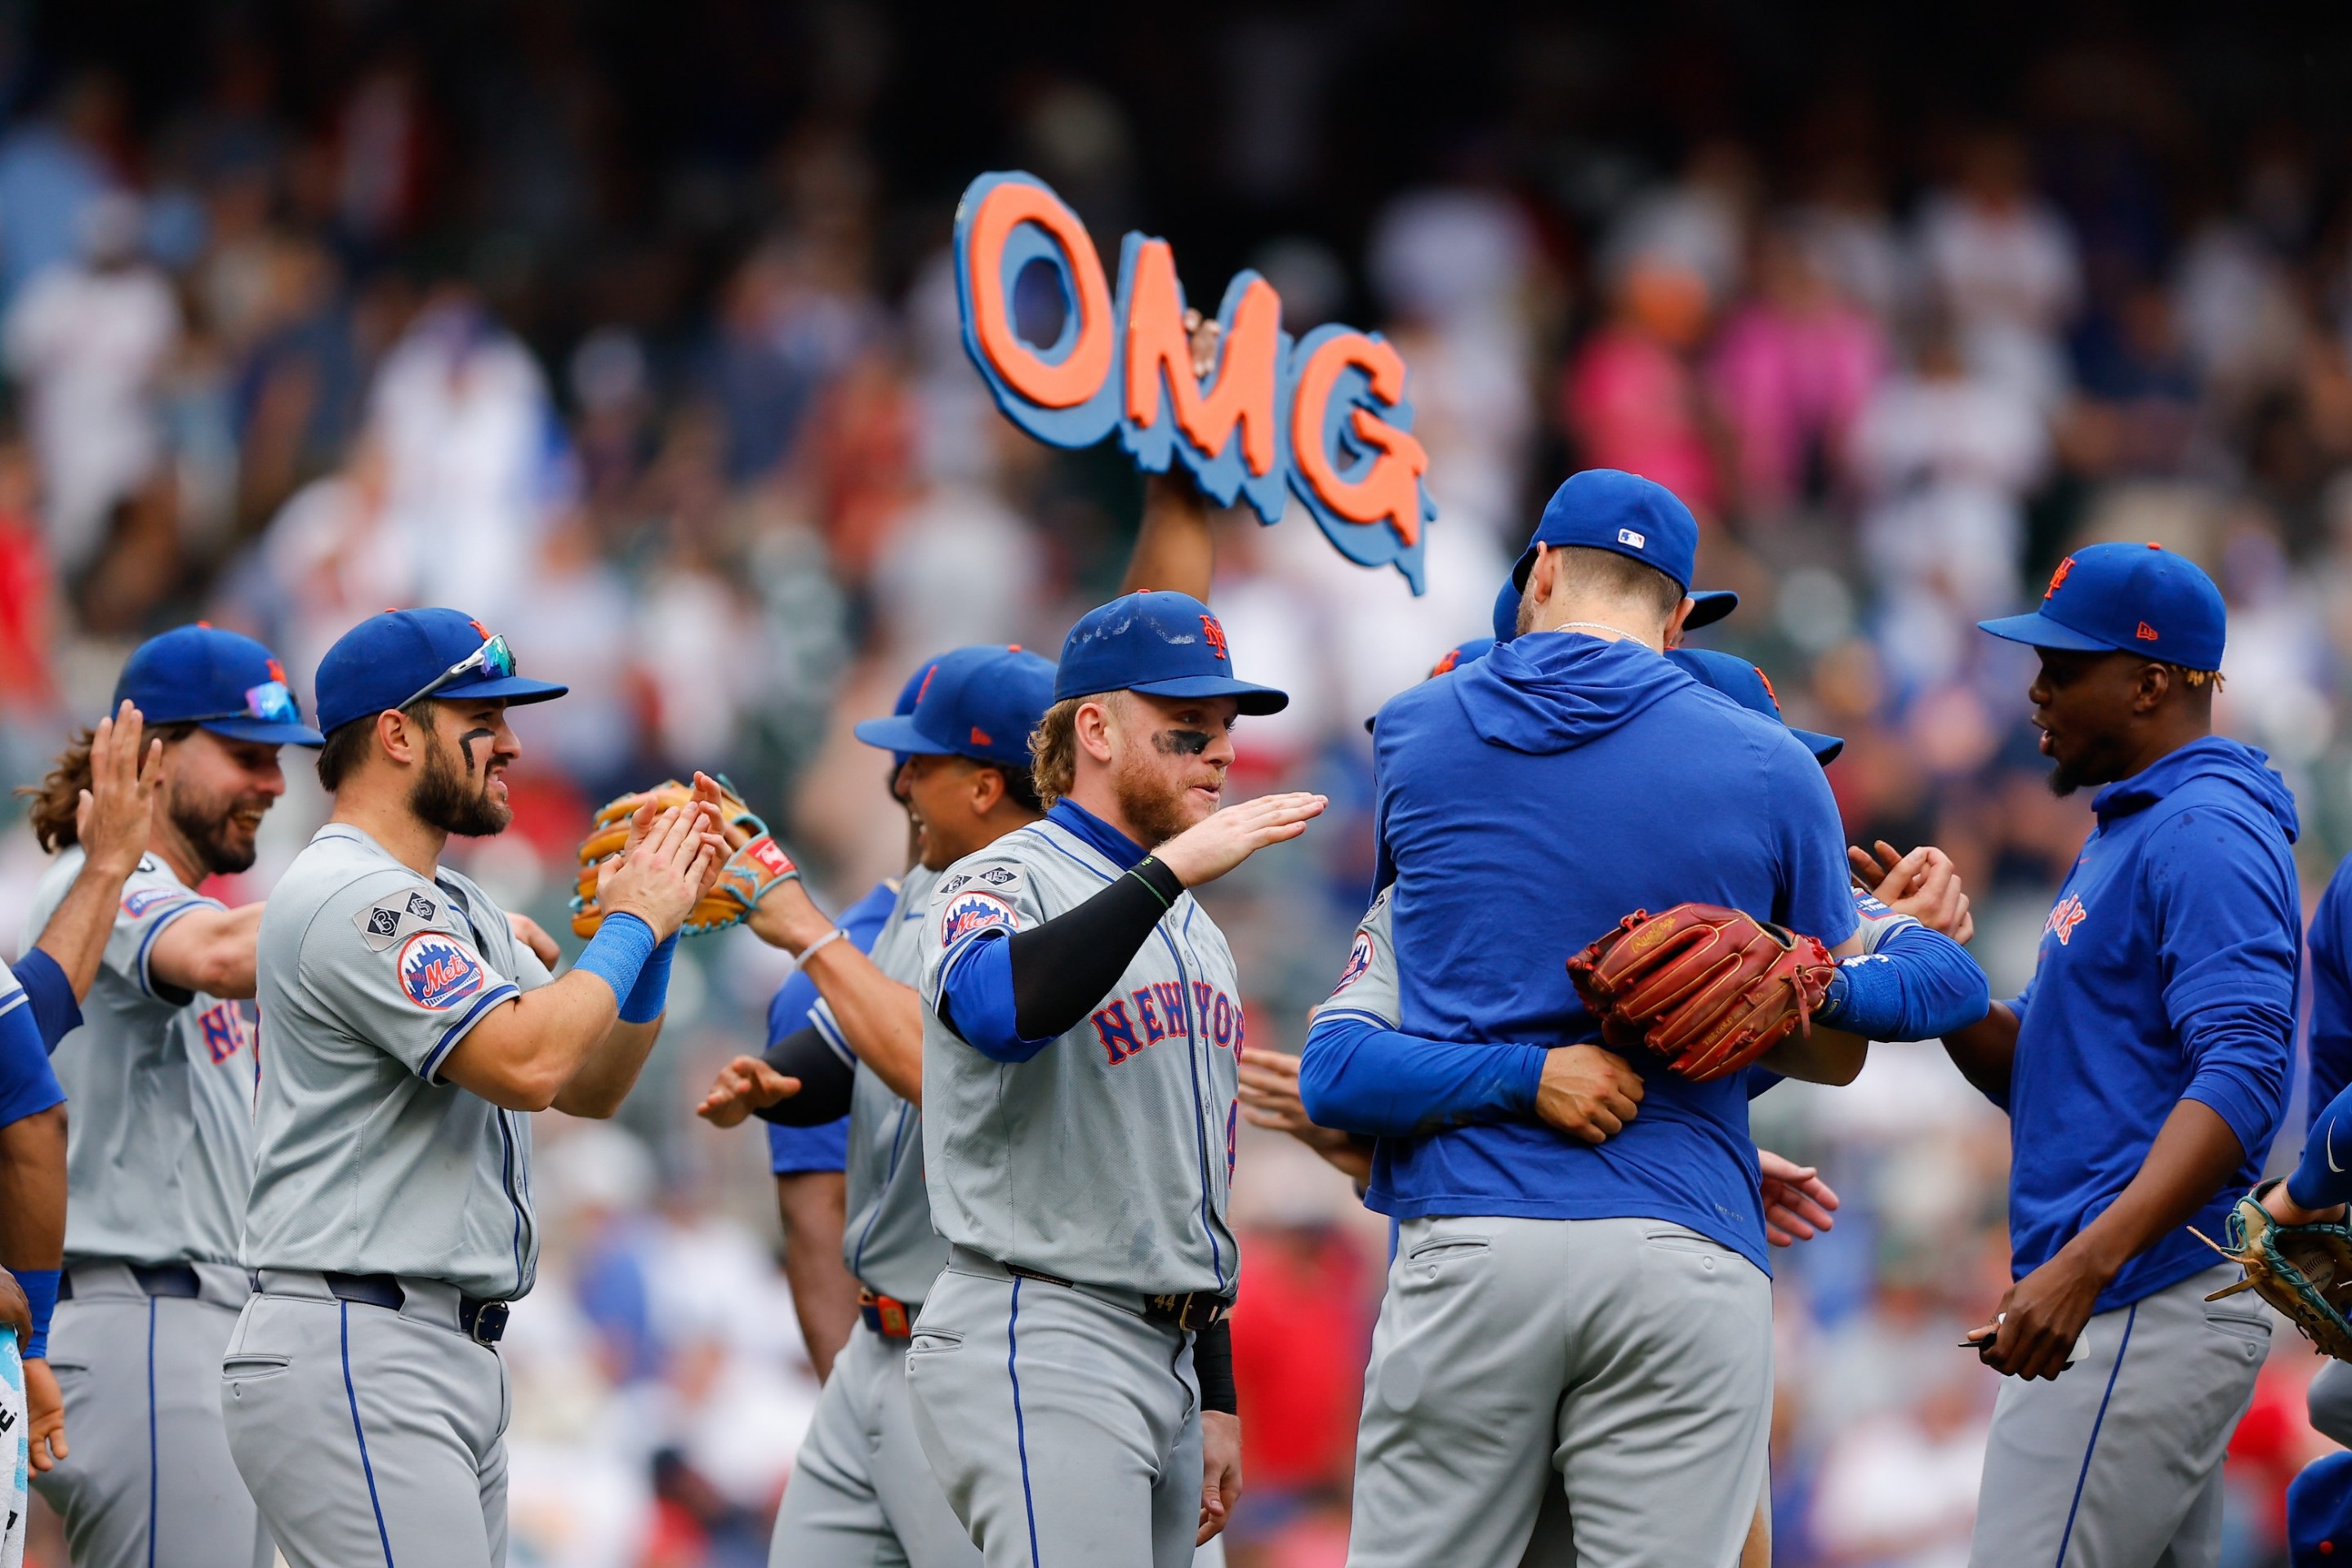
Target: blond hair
[[1053, 750]]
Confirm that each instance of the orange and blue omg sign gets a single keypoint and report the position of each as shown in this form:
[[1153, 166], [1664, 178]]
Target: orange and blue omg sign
[[1322, 418]]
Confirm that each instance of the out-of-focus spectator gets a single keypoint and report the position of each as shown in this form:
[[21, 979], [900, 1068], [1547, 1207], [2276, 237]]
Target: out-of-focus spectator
[[1632, 399], [2004, 264], [51, 169], [87, 341]]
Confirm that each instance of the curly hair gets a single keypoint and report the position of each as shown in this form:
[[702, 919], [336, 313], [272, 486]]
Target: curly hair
[[57, 799]]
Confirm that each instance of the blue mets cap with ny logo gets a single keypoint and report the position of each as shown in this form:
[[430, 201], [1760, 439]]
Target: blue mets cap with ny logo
[[391, 659], [980, 702], [1162, 645], [2126, 598], [224, 681]]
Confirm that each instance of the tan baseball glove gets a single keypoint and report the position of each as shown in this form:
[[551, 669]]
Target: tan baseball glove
[[755, 863]]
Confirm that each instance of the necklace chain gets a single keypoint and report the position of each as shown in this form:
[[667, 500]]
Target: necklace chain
[[1603, 626]]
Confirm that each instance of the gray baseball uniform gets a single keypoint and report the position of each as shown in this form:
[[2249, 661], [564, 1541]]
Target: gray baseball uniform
[[2117, 1462], [159, 1155], [366, 1422], [1075, 1186], [861, 1491], [1507, 1313]]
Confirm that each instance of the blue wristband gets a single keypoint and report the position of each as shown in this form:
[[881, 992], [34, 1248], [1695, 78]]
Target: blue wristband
[[616, 954], [40, 1287], [647, 999]]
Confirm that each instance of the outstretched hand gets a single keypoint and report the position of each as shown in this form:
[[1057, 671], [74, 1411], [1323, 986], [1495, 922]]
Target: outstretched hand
[[114, 814], [1225, 837], [1797, 1202], [1923, 884], [744, 1085], [669, 863]]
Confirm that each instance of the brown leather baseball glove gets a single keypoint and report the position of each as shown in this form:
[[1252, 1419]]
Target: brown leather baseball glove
[[755, 864], [1707, 988], [2304, 1270]]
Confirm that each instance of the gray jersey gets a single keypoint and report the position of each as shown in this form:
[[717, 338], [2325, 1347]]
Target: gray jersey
[[159, 1143], [1107, 1156], [366, 1162], [1369, 983], [888, 1242]]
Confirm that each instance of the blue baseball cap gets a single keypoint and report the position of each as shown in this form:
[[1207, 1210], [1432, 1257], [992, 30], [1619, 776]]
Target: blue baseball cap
[[980, 702], [2126, 598], [2319, 1513], [221, 681], [1609, 509], [1746, 685], [391, 660], [1162, 645], [908, 695]]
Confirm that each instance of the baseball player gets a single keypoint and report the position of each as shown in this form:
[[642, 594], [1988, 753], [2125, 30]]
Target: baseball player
[[1595, 1305], [861, 1491], [162, 1075], [406, 1029], [810, 1162], [2144, 1071], [1078, 1087], [2330, 1054]]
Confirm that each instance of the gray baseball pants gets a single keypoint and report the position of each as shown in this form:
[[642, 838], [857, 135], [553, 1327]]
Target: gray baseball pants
[[2117, 1462], [1065, 1428], [149, 1480], [1596, 1392], [862, 1494], [2329, 1401], [368, 1435]]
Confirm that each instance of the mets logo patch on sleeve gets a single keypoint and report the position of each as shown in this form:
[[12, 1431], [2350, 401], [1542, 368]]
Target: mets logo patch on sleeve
[[975, 910], [437, 971], [1360, 959]]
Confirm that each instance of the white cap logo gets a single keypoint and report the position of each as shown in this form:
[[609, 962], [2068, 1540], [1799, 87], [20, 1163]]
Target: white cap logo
[[1627, 536]]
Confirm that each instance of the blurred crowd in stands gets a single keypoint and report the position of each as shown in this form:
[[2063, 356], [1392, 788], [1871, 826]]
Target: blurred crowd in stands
[[633, 336]]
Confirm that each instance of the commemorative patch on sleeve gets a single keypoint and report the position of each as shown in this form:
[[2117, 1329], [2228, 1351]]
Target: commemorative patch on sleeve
[[394, 916], [973, 911], [141, 902], [437, 971]]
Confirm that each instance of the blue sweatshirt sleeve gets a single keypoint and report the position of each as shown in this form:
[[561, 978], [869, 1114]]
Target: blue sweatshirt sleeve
[[2322, 1180], [1918, 985], [2229, 941], [2331, 994], [976, 999], [27, 1083], [1359, 1076], [50, 994]]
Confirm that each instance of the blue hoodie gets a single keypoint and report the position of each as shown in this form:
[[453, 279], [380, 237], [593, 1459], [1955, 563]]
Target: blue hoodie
[[2331, 994], [1527, 803], [2167, 972]]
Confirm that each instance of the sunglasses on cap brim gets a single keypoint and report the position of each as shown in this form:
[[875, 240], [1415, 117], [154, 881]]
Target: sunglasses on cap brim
[[493, 658], [271, 703]]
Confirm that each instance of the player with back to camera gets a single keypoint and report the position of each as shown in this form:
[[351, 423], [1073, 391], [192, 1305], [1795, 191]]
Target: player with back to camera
[[2144, 1072], [861, 1491], [406, 1030], [1078, 1087], [1522, 1168]]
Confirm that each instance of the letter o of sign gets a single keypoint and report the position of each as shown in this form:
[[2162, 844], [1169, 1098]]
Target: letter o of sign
[[1089, 335]]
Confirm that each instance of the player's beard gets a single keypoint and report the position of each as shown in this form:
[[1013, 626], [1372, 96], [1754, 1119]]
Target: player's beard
[[1152, 803], [211, 827], [442, 798]]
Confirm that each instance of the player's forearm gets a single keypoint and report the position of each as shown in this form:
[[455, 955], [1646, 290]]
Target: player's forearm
[[879, 1018], [827, 1082], [1985, 1051], [812, 1206], [1175, 549], [209, 950], [33, 1191], [1824, 1056], [611, 1071], [524, 1053], [83, 919], [2193, 1155], [1359, 1077], [1917, 986], [2324, 1179]]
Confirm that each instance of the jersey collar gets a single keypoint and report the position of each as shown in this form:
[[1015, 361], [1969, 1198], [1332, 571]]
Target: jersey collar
[[1114, 845]]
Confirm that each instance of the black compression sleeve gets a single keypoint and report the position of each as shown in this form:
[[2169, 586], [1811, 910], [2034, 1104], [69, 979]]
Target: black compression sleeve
[[824, 1078], [1213, 1364], [1063, 969]]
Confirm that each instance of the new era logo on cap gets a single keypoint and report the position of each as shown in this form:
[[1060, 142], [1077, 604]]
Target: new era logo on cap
[[1627, 536], [2147, 633]]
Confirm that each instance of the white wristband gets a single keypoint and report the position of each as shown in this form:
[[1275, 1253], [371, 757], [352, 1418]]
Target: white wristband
[[812, 949]]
